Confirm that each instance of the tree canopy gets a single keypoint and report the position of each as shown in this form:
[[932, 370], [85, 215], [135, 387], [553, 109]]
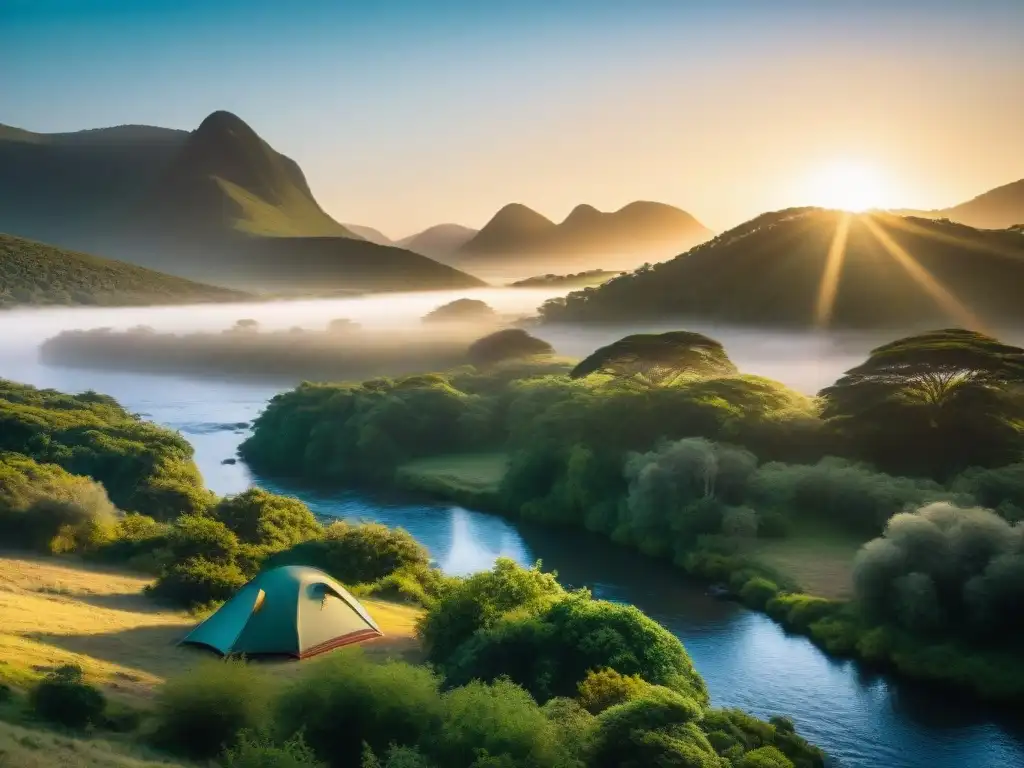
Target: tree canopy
[[507, 344], [658, 359], [933, 403]]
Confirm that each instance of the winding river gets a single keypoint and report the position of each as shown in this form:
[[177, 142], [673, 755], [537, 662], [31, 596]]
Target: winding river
[[862, 720]]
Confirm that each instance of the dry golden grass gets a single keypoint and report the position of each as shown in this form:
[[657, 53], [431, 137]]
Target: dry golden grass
[[25, 748], [57, 611]]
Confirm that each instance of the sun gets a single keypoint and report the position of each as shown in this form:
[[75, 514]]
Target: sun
[[849, 186]]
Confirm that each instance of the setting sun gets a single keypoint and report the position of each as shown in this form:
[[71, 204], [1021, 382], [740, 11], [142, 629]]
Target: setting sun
[[848, 186]]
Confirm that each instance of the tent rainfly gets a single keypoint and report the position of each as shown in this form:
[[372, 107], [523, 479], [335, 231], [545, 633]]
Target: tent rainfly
[[293, 610]]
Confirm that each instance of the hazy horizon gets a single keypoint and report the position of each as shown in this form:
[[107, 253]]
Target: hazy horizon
[[404, 116]]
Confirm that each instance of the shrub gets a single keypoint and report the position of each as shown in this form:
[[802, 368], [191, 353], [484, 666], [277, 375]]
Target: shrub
[[197, 536], [799, 611], [764, 757], [253, 751], [134, 540], [415, 584], [605, 688], [758, 591], [197, 582], [500, 719], [480, 601], [63, 697], [206, 710], [356, 554], [266, 519], [346, 700], [550, 651]]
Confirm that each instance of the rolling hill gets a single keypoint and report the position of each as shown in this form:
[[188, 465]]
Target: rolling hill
[[217, 204], [587, 238], [370, 234], [439, 241], [33, 274], [998, 208], [809, 267]]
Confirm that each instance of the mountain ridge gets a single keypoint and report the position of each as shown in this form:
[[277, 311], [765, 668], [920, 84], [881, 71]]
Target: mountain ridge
[[998, 208]]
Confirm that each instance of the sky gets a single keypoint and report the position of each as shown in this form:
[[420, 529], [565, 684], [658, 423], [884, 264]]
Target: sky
[[405, 114]]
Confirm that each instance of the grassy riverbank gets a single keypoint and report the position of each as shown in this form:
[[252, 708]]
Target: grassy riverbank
[[804, 581]]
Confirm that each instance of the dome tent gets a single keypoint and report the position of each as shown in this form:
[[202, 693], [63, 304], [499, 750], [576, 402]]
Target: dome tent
[[293, 610]]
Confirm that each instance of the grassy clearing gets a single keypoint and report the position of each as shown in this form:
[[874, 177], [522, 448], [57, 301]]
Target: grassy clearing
[[473, 479], [30, 748], [58, 611], [819, 560]]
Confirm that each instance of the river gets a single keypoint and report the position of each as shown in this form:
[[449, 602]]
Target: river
[[862, 720]]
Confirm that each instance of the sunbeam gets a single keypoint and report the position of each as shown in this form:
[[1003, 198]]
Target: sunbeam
[[830, 276], [946, 300]]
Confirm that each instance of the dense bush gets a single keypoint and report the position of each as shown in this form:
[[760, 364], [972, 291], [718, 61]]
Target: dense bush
[[202, 713], [347, 700], [266, 519], [480, 602], [945, 570], [63, 697], [197, 582], [43, 507], [253, 751], [357, 554], [143, 467], [605, 688], [507, 344], [550, 652]]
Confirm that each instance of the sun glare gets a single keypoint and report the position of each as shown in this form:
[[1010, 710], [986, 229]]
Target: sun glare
[[849, 187]]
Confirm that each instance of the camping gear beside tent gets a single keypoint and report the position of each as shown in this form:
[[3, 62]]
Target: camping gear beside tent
[[293, 610]]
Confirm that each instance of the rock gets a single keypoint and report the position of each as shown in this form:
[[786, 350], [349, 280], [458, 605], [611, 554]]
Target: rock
[[230, 461]]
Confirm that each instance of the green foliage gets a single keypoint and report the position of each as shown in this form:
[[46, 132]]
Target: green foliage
[[197, 582], [44, 508], [32, 273], [63, 697], [945, 570], [756, 592], [358, 554], [143, 467], [657, 359], [266, 519], [841, 493], [605, 688], [764, 757], [480, 602], [933, 404], [656, 729], [379, 704], [195, 536], [507, 344], [741, 736], [205, 711], [253, 751]]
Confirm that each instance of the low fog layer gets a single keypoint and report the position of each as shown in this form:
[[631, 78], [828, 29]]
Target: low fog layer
[[393, 322]]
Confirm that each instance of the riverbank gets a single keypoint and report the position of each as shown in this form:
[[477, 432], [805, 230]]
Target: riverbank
[[802, 581]]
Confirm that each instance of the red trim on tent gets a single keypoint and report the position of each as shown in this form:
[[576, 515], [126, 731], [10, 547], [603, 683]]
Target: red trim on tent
[[338, 642]]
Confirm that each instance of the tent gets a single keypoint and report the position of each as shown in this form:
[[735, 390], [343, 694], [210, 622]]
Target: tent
[[292, 610]]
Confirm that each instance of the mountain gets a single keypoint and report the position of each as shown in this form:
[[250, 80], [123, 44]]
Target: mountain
[[808, 267], [998, 208], [217, 204], [370, 234], [439, 241], [587, 237], [33, 273]]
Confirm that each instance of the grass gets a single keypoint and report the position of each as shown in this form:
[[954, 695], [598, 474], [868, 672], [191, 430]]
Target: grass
[[22, 747], [471, 479], [820, 560], [34, 273], [57, 611]]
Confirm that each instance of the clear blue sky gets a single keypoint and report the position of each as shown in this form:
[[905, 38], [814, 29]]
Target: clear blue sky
[[404, 114]]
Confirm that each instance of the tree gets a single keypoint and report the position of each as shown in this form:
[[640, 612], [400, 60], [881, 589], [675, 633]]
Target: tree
[[508, 344], [658, 359], [932, 404], [461, 311]]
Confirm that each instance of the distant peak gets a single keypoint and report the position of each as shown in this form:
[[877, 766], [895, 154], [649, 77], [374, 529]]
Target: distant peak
[[222, 121], [519, 215], [582, 213]]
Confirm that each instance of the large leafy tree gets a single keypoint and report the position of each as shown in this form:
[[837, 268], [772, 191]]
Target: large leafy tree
[[507, 344], [933, 403], [658, 359]]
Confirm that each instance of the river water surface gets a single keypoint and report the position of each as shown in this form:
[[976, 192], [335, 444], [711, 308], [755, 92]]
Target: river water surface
[[862, 720]]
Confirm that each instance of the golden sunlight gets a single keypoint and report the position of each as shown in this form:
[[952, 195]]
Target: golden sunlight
[[849, 187]]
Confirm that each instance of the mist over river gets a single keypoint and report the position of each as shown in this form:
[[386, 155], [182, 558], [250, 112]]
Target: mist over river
[[864, 721]]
